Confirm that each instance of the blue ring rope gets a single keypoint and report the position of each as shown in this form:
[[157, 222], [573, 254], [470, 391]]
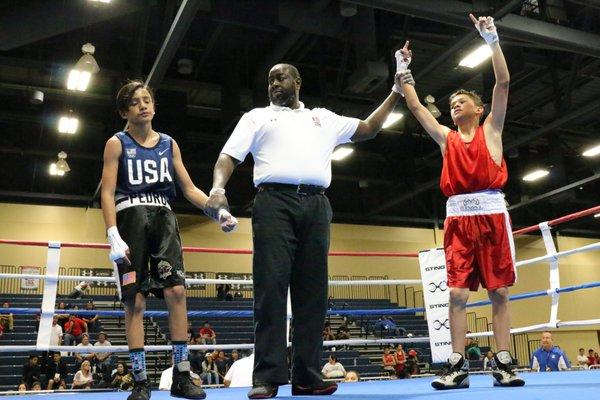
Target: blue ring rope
[[249, 313]]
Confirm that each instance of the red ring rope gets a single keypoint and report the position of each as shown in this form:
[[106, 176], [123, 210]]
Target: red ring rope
[[532, 228]]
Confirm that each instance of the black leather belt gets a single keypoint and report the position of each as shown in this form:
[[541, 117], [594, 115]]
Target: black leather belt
[[284, 187]]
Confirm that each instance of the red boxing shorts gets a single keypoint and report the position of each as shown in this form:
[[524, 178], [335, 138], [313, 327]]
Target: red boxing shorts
[[478, 241]]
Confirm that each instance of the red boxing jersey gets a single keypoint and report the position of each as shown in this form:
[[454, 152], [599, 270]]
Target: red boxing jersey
[[469, 167]]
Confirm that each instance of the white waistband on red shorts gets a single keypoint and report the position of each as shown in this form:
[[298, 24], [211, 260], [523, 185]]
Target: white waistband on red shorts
[[141, 199], [477, 203]]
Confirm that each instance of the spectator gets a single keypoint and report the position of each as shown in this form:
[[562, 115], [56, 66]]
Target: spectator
[[472, 350], [190, 332], [549, 357], [74, 330], [210, 375], [79, 290], [388, 325], [56, 372], [104, 361], [221, 362], [7, 320], [400, 362], [223, 292], [389, 361], [333, 369], [235, 355], [327, 334], [92, 321], [592, 358], [196, 356], [36, 386], [412, 363], [22, 387], [83, 378], [352, 376], [121, 378], [489, 363], [330, 303], [56, 332], [343, 332], [582, 359], [240, 372], [207, 334], [82, 356], [31, 370]]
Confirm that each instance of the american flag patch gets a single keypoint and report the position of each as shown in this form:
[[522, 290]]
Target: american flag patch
[[131, 153], [316, 121], [129, 278]]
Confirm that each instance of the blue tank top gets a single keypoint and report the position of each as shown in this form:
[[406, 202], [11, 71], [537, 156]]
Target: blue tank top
[[146, 169]]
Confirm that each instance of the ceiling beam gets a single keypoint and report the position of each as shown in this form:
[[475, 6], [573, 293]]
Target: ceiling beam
[[554, 192], [452, 12], [30, 22]]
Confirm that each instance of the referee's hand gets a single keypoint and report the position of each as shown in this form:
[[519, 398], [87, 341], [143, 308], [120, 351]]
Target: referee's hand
[[215, 203]]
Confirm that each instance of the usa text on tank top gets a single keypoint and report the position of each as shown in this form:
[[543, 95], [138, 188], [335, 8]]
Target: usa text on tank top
[[469, 167], [146, 169]]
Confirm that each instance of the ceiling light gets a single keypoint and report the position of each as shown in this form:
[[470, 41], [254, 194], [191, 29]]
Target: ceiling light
[[60, 167], [535, 175], [476, 57], [597, 215], [81, 74], [594, 151], [429, 100], [392, 119], [68, 124], [101, 1], [341, 152]]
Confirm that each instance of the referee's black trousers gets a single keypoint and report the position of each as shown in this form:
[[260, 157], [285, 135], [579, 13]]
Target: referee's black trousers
[[291, 242]]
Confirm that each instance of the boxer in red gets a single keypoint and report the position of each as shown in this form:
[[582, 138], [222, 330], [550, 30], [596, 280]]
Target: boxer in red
[[478, 237]]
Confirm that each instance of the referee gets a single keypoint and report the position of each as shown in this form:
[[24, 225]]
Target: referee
[[291, 146]]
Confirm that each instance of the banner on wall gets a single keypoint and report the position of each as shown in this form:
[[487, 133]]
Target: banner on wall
[[98, 272], [436, 293], [195, 275], [236, 287], [27, 283]]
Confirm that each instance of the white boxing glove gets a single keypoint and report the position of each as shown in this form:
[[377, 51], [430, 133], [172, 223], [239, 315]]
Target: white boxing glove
[[487, 30], [118, 248], [227, 221], [403, 59]]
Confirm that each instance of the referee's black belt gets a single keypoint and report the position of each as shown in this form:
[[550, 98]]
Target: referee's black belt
[[285, 187]]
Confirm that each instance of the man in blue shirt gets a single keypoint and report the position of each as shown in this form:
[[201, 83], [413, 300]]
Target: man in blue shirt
[[549, 357]]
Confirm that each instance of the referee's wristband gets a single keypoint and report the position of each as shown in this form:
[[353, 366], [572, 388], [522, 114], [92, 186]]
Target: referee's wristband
[[220, 191]]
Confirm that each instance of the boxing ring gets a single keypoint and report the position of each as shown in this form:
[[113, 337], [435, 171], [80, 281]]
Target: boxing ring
[[550, 385]]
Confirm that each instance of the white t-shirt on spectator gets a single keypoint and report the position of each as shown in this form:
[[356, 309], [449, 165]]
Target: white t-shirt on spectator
[[79, 378], [582, 361], [56, 334], [240, 372], [84, 354], [102, 356], [166, 379], [333, 371]]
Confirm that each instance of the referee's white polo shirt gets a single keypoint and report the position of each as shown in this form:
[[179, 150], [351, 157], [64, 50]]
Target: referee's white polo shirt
[[290, 146]]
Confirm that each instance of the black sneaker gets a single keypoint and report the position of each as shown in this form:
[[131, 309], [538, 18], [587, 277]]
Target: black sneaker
[[263, 391], [503, 374], [182, 385], [456, 374], [317, 389], [141, 391]]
